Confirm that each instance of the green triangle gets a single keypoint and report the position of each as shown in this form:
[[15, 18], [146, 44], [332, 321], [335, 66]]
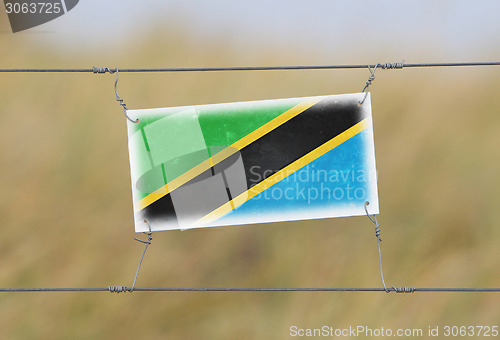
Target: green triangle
[[222, 125]]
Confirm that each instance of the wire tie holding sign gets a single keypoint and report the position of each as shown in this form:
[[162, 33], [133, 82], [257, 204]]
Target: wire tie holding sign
[[122, 289], [118, 99], [102, 70], [385, 66], [377, 235], [368, 83], [147, 243]]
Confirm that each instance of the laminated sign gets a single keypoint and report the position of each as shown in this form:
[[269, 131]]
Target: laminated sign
[[252, 162]]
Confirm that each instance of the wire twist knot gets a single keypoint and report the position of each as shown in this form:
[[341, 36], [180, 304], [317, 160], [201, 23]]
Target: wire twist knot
[[392, 66], [374, 220], [118, 289], [103, 70], [402, 289], [368, 82], [370, 79]]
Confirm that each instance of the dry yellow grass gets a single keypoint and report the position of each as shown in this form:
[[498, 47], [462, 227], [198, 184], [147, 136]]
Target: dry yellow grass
[[66, 212]]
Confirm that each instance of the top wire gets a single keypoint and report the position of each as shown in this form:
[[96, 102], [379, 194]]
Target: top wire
[[250, 68]]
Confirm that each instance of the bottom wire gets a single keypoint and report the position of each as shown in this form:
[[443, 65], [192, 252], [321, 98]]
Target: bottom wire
[[173, 289]]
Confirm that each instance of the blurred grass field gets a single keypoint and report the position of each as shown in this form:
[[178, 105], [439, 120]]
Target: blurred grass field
[[66, 209]]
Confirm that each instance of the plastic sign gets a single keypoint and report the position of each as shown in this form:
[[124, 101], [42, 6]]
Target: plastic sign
[[252, 162]]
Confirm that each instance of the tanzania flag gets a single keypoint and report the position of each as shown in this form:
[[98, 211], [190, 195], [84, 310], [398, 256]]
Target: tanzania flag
[[252, 162]]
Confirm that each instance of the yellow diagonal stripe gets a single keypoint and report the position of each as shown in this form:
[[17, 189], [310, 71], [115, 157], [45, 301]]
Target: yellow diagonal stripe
[[225, 153], [283, 173]]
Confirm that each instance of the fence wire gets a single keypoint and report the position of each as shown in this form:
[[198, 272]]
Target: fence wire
[[124, 289], [397, 65]]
